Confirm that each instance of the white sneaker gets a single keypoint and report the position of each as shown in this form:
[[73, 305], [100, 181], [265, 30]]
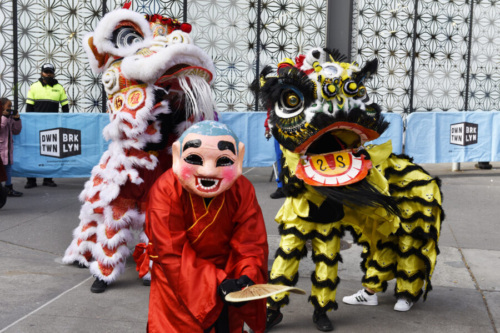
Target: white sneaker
[[403, 305], [361, 298]]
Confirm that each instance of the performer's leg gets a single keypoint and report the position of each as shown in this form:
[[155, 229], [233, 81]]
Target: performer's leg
[[326, 255], [380, 265], [284, 271], [279, 154], [411, 270], [111, 250], [84, 237], [285, 267]]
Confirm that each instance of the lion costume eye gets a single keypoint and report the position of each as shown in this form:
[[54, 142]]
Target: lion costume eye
[[292, 100], [125, 36], [291, 103]]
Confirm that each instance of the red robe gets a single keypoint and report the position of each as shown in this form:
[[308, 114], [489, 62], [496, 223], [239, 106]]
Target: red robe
[[194, 248]]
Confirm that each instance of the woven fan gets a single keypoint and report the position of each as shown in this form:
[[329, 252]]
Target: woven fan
[[259, 291]]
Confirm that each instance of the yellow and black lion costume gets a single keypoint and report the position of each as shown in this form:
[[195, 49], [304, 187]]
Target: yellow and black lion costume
[[321, 116]]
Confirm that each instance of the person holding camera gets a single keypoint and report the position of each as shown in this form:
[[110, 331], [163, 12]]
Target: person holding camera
[[10, 125], [45, 95]]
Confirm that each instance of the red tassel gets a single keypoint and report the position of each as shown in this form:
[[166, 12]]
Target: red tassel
[[299, 60], [141, 258], [127, 4]]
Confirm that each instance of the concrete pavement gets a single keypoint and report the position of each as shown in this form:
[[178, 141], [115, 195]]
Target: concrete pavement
[[39, 294]]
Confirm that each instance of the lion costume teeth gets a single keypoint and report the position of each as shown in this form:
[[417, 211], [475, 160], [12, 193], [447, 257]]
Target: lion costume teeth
[[322, 117]]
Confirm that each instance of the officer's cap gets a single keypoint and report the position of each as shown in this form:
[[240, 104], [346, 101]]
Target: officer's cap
[[48, 68]]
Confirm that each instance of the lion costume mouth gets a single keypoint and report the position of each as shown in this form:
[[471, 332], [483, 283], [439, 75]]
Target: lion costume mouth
[[332, 157]]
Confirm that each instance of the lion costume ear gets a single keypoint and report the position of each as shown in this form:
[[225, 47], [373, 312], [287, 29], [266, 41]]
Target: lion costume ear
[[97, 60]]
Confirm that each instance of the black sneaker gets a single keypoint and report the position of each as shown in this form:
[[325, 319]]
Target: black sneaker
[[278, 194], [30, 185], [13, 193], [322, 322], [78, 264], [483, 165], [274, 317], [49, 183], [98, 286]]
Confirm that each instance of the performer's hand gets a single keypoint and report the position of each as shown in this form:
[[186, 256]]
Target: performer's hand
[[229, 285], [244, 281], [268, 134]]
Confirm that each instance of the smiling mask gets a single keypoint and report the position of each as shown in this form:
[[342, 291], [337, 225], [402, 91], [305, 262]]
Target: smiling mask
[[207, 158]]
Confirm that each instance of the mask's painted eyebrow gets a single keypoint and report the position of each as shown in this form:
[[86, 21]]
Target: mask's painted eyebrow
[[192, 144], [223, 145]]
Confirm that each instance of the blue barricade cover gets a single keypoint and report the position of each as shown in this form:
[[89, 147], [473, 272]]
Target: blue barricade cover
[[394, 132], [249, 128], [59, 144], [71, 144], [444, 137]]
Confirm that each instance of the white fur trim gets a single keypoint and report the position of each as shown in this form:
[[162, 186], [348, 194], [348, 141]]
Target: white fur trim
[[119, 255], [118, 269], [150, 69]]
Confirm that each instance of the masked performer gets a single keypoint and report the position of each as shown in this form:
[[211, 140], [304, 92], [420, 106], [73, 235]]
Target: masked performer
[[207, 237], [321, 116], [157, 84]]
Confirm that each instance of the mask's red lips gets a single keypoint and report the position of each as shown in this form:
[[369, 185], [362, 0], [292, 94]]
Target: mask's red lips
[[207, 185], [333, 169]]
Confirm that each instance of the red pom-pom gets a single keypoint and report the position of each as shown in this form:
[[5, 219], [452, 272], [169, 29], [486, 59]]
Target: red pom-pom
[[186, 27], [127, 4], [299, 60]]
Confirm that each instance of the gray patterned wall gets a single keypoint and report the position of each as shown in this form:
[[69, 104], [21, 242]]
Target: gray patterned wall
[[485, 57], [448, 70], [51, 31], [6, 50]]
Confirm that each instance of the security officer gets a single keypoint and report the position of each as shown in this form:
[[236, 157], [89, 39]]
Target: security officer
[[44, 96]]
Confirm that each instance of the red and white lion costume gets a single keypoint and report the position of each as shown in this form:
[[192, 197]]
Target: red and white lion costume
[[157, 85]]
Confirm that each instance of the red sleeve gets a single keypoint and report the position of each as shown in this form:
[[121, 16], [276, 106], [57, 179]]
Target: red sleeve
[[193, 280], [249, 252]]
